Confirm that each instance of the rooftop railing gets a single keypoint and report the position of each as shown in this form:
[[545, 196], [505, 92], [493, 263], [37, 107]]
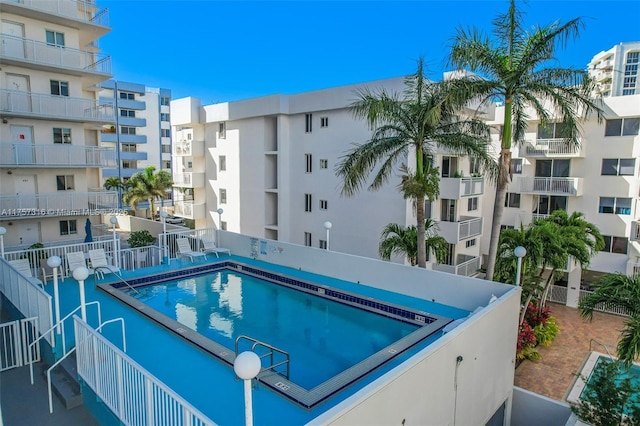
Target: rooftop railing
[[466, 267], [86, 11], [56, 155]]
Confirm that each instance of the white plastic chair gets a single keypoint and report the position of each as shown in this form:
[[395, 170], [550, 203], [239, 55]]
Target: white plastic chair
[[75, 259], [99, 261], [24, 267], [184, 249], [209, 246]]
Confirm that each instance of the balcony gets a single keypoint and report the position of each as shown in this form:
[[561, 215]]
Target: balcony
[[43, 56], [53, 107], [55, 155], [189, 180], [454, 232], [63, 203], [133, 155], [74, 13], [132, 104], [567, 186], [551, 148], [455, 188], [635, 231], [466, 265], [525, 219], [188, 210], [188, 148], [132, 121], [114, 137]]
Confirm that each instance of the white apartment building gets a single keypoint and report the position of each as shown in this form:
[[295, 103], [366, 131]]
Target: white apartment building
[[141, 134], [269, 164], [50, 155], [616, 70]]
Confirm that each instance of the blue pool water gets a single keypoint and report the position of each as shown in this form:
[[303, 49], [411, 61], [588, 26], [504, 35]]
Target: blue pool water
[[632, 373], [323, 337]]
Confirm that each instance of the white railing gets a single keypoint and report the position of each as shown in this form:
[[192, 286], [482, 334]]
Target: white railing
[[38, 52], [188, 148], [189, 210], [454, 188], [56, 243], [56, 155], [552, 147], [558, 294], [16, 337], [189, 179], [75, 9], [133, 394], [454, 232], [59, 204], [195, 237], [604, 307], [140, 257], [635, 231], [466, 268], [63, 107], [550, 185], [28, 298], [525, 219]]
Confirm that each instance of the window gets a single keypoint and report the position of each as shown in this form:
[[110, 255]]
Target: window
[[127, 113], [512, 200], [129, 164], [324, 204], [516, 165], [65, 183], [615, 205], [131, 147], [622, 126], [164, 116], [55, 38], [166, 164], [61, 135], [223, 225], [307, 239], [322, 244], [60, 88], [126, 130], [552, 168], [474, 166], [309, 162], [618, 245], [128, 96], [165, 133], [222, 130], [68, 227], [307, 202], [189, 165], [324, 121], [553, 131], [166, 149], [324, 163], [222, 163], [503, 227], [165, 100], [223, 196], [308, 123], [548, 204], [470, 243], [618, 166], [630, 74], [472, 204]]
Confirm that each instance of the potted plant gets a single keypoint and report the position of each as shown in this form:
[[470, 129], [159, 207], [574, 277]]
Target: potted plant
[[139, 240]]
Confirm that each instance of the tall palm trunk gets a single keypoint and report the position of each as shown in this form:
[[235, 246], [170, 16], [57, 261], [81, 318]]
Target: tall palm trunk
[[422, 248]]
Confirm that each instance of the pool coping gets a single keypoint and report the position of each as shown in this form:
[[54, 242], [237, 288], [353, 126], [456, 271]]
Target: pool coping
[[428, 324]]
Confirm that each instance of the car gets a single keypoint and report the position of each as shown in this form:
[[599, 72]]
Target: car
[[172, 220]]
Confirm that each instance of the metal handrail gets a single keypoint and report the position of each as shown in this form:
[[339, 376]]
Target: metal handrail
[[270, 353], [100, 268], [601, 344]]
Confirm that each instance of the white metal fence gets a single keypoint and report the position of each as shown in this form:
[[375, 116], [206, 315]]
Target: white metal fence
[[605, 307], [131, 392], [558, 294], [195, 237], [55, 155], [550, 185], [28, 298], [64, 203], [548, 147], [15, 338]]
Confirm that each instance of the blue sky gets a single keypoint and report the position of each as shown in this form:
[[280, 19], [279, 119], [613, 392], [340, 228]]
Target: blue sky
[[224, 51]]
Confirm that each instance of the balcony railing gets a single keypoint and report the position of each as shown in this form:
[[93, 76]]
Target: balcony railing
[[454, 188], [552, 148], [467, 266], [188, 148], [29, 104], [189, 210], [64, 203], [568, 186], [56, 155], [189, 180], [635, 231], [86, 11], [45, 54], [454, 232]]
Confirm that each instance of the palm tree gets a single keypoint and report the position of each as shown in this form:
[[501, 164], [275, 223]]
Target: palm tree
[[416, 121], [518, 67], [622, 292], [115, 184], [148, 185], [401, 240]]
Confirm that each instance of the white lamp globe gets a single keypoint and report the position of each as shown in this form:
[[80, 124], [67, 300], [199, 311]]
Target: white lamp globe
[[81, 273], [113, 220], [220, 211], [54, 261], [247, 365], [520, 251], [328, 225], [3, 230]]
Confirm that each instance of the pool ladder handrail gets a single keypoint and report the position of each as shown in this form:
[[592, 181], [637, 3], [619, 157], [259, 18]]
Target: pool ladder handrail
[[118, 276], [272, 350], [601, 344]]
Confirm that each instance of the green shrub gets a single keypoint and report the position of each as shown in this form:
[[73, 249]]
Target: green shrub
[[546, 332], [141, 239]]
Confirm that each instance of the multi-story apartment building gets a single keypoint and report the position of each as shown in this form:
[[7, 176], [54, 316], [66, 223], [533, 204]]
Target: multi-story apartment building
[[600, 178], [269, 163], [50, 156], [142, 131], [616, 70]]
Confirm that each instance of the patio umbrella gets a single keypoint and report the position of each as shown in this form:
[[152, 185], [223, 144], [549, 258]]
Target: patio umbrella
[[87, 229]]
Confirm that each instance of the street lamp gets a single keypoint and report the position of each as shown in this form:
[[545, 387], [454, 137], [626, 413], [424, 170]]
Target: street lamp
[[519, 252], [54, 262], [3, 231], [327, 225], [247, 366], [220, 211], [80, 274], [113, 221], [165, 253]]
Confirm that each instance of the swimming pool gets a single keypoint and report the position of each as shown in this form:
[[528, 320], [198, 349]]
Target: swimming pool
[[332, 337]]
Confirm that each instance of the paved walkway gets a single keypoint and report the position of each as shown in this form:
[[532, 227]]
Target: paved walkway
[[555, 373]]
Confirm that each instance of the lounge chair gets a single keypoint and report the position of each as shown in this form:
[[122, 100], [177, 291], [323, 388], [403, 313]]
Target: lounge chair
[[24, 267], [47, 271], [209, 246], [75, 259], [184, 249], [99, 261]]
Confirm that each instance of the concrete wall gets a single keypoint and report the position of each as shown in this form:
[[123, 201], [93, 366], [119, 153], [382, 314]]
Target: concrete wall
[[529, 409]]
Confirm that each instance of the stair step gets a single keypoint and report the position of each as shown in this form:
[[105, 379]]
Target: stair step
[[64, 382]]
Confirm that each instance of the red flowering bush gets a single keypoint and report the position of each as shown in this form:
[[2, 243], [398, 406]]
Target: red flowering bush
[[527, 343], [536, 316]]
